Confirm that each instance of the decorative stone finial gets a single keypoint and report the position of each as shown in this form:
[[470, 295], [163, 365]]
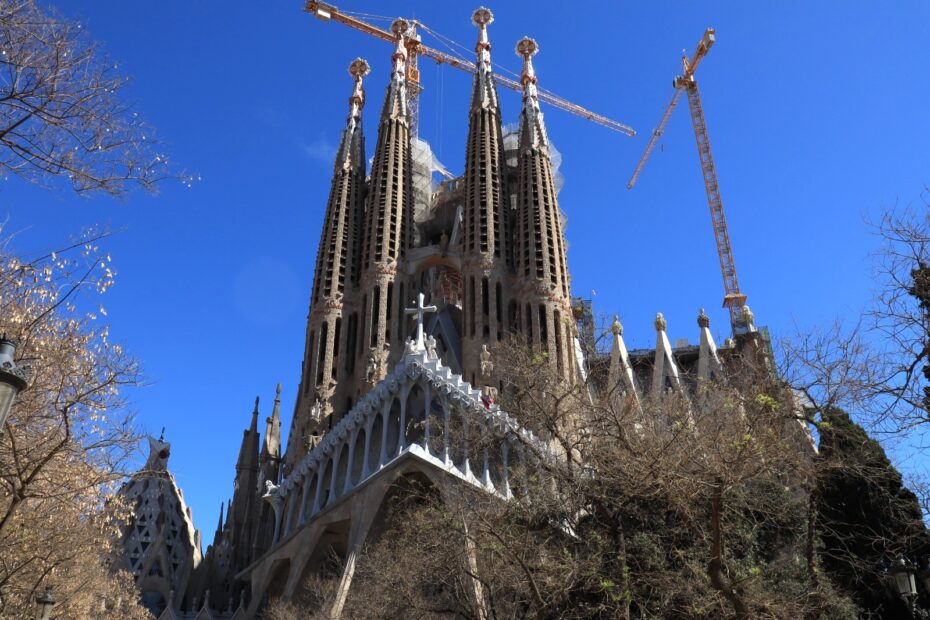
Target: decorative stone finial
[[255, 411], [660, 322], [358, 69], [703, 320], [277, 392], [527, 47], [616, 328], [400, 26], [159, 451], [482, 17]]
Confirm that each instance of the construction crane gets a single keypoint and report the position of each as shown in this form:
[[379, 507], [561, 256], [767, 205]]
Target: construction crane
[[733, 299], [415, 48]]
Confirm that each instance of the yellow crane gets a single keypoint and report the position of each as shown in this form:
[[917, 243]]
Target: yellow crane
[[733, 299], [416, 48]]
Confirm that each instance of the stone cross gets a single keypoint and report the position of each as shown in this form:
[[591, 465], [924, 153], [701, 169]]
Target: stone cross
[[420, 311]]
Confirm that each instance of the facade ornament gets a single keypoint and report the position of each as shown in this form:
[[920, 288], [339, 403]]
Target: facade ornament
[[419, 310], [487, 366], [431, 348], [410, 345], [312, 441], [748, 316], [616, 328], [316, 410], [703, 320], [159, 451], [371, 368], [660, 322]]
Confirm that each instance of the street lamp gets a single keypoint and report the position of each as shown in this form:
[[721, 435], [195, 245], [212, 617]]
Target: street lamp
[[44, 604], [903, 572], [12, 378]]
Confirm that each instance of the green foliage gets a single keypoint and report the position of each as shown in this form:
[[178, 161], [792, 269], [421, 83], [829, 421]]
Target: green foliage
[[866, 516]]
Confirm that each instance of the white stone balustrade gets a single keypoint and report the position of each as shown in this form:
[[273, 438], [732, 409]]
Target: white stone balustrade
[[421, 408]]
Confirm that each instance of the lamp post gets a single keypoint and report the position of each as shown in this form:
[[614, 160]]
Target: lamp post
[[12, 378], [924, 574], [903, 572], [44, 604]]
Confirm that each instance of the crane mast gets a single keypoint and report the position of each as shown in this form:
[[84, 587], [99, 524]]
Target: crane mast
[[733, 299], [416, 48]]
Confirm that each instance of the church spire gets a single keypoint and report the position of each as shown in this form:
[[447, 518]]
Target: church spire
[[337, 267], [485, 215], [539, 242], [388, 226], [248, 452]]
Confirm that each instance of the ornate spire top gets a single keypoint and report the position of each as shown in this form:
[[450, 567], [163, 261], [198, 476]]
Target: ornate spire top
[[159, 451], [616, 328], [532, 129], [351, 148], [660, 322], [255, 416], [484, 94], [527, 48], [481, 18], [399, 27], [219, 526], [703, 320], [358, 69], [395, 106]]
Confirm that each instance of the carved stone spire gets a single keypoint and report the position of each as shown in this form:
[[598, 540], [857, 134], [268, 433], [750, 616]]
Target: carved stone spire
[[486, 213], [271, 445], [395, 106], [539, 243], [708, 361], [388, 222], [622, 381], [337, 267]]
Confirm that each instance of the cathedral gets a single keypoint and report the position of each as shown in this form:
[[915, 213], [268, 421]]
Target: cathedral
[[416, 284]]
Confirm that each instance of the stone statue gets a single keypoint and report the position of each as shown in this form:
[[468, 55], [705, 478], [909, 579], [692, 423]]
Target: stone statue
[[487, 366], [371, 368], [316, 410], [431, 349]]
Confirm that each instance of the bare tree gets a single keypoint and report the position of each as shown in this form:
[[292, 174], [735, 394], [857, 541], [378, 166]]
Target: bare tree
[[62, 112], [692, 505], [68, 437]]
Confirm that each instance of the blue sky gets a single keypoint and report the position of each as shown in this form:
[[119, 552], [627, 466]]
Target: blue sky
[[817, 115]]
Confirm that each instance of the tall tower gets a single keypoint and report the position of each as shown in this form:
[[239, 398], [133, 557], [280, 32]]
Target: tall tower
[[541, 267], [327, 339], [388, 220], [245, 502], [485, 217]]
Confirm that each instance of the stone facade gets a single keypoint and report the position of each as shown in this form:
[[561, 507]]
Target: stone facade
[[382, 398]]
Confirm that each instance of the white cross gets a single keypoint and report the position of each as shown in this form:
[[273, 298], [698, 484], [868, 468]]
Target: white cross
[[420, 310]]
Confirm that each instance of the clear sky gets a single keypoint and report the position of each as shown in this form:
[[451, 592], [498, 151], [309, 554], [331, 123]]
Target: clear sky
[[817, 114]]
